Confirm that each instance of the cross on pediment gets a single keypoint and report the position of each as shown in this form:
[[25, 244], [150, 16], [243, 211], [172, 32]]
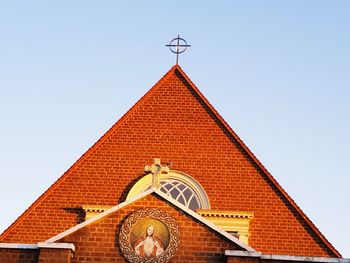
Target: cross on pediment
[[156, 169], [178, 45]]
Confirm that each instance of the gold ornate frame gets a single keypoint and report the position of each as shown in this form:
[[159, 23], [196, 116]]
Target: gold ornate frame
[[135, 218]]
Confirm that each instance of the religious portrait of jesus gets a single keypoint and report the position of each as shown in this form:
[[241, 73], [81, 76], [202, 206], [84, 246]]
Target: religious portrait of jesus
[[149, 246], [149, 238], [149, 235]]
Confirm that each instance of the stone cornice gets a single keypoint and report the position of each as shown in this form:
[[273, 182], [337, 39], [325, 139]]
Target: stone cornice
[[225, 213]]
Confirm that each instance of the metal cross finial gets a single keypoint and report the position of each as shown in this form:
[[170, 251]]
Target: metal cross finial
[[178, 45], [156, 169]]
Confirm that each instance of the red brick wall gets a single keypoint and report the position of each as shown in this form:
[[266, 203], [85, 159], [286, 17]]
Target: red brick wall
[[243, 260], [99, 241], [173, 123], [8, 255], [54, 255]]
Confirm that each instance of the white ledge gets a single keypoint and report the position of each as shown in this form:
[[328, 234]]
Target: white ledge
[[18, 246], [56, 245], [242, 253], [306, 259], [38, 245], [239, 253]]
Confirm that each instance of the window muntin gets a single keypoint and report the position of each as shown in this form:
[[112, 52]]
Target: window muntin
[[181, 192], [180, 186]]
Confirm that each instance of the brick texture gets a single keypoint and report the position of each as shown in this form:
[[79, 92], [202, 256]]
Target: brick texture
[[54, 255], [173, 122], [18, 255]]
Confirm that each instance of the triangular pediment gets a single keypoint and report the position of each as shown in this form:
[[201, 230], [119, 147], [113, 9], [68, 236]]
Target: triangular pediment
[[193, 232]]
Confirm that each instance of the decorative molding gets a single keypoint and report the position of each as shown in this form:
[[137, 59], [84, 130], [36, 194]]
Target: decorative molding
[[137, 218], [225, 213], [156, 170], [93, 210], [236, 222]]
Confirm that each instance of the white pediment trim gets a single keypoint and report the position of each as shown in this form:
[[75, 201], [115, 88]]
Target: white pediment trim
[[140, 196]]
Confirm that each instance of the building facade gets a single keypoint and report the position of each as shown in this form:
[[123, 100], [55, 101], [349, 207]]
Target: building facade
[[170, 181]]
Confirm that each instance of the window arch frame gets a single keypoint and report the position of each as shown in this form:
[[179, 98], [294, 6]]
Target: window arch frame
[[146, 181]]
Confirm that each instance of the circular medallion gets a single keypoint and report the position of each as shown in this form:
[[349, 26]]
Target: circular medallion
[[149, 235]]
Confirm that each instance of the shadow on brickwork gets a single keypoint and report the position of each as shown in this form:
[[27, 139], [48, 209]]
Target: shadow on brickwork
[[116, 235], [80, 214], [28, 256], [127, 189]]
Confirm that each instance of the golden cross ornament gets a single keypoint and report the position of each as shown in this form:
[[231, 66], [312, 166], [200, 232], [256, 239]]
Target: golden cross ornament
[[156, 169]]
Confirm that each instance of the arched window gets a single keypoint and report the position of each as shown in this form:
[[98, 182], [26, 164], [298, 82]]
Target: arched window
[[180, 186]]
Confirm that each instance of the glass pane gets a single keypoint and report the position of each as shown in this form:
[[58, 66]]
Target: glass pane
[[174, 193], [181, 192], [193, 204], [167, 186], [181, 200], [181, 187], [188, 194]]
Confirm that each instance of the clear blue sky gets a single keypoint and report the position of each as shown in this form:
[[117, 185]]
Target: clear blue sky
[[277, 71]]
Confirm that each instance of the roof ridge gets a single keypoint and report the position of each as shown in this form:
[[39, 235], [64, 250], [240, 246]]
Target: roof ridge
[[85, 155], [260, 165]]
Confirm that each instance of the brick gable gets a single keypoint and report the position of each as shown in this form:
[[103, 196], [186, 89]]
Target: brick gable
[[174, 121]]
